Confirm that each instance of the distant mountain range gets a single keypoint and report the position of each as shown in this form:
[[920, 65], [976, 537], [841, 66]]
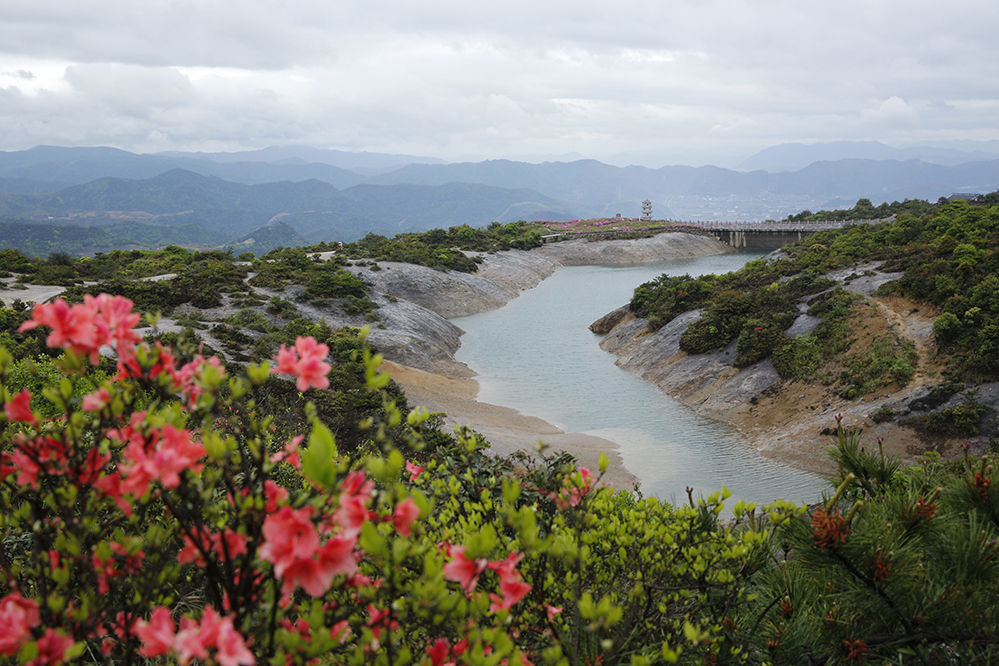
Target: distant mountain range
[[232, 195], [229, 213], [794, 156], [363, 163]]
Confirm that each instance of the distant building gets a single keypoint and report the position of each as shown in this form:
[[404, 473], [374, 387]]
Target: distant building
[[646, 210], [963, 196]]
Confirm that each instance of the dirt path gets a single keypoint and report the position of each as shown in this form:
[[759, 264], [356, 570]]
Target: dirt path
[[913, 323]]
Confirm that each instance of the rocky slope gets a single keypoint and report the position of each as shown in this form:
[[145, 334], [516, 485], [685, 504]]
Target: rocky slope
[[791, 421]]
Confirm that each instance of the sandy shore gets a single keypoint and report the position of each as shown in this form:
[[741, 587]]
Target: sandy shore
[[506, 429]]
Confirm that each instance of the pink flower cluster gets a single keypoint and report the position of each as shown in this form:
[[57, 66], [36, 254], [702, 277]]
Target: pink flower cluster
[[292, 541], [306, 362], [18, 616], [574, 488], [158, 454], [307, 547], [292, 545], [184, 380], [466, 571], [227, 545], [88, 326], [160, 636]]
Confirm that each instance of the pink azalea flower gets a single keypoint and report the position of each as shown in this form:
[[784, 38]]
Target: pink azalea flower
[[287, 361], [211, 624], [552, 611], [413, 469], [116, 319], [85, 327], [463, 570], [98, 400], [71, 327], [311, 369], [438, 653], [19, 408], [291, 544], [406, 512], [340, 631], [162, 456], [190, 553], [27, 468], [513, 590], [110, 486], [157, 635], [232, 650], [176, 453], [17, 616], [189, 643], [355, 494], [306, 362], [52, 649], [289, 536], [275, 495], [289, 453], [575, 487], [507, 566]]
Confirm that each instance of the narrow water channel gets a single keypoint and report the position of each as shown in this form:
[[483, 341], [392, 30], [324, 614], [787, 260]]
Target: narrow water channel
[[537, 356]]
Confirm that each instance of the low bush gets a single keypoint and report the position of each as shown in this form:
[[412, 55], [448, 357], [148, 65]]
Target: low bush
[[157, 515], [175, 525]]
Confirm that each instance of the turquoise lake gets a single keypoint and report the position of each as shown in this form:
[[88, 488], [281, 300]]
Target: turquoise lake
[[537, 355]]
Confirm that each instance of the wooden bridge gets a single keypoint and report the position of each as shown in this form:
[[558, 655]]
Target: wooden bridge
[[750, 236]]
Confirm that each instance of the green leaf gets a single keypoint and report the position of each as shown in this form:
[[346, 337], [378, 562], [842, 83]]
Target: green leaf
[[317, 460], [258, 373], [373, 542], [74, 651]]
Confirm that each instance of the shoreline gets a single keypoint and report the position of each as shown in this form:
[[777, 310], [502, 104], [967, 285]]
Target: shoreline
[[506, 429], [447, 386]]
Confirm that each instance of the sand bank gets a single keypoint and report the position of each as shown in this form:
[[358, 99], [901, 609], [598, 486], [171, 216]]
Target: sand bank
[[506, 429]]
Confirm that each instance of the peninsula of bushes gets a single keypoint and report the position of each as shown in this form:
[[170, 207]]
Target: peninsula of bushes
[[945, 256], [289, 507]]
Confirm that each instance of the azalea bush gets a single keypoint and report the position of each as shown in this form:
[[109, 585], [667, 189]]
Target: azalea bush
[[154, 514]]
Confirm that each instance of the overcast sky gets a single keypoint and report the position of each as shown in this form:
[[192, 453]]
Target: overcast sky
[[659, 82]]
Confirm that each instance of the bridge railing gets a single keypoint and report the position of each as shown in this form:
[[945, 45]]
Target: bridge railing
[[782, 226], [708, 227]]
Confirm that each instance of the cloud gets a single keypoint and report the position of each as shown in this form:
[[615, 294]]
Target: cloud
[[470, 80], [892, 112]]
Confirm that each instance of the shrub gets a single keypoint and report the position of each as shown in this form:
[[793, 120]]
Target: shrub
[[249, 318], [946, 328], [173, 524], [336, 283], [798, 357], [757, 341]]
